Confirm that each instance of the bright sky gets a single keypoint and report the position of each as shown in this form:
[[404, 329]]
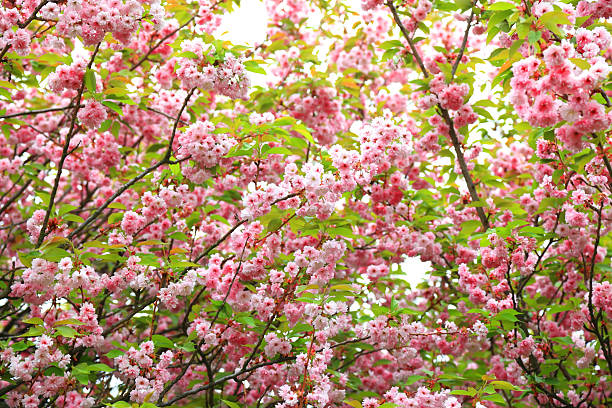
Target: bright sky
[[246, 25]]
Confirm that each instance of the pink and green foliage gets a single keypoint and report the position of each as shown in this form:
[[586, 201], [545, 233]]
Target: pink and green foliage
[[175, 233]]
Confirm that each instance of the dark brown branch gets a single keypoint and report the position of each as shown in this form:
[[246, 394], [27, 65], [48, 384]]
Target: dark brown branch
[[406, 34], [464, 170], [129, 316], [224, 379], [144, 58], [165, 115], [65, 152], [453, 135], [606, 161], [25, 24], [130, 183], [463, 45], [37, 111], [16, 196]]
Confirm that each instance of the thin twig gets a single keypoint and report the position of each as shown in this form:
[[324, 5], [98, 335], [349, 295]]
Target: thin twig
[[65, 152], [16, 196], [37, 111], [453, 135], [130, 183], [415, 53], [144, 58], [463, 45], [464, 169]]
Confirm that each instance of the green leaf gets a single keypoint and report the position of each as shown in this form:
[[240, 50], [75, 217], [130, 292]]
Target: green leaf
[[498, 399], [115, 127], [389, 54], [83, 378], [90, 81], [560, 308], [34, 331], [188, 347], [515, 46], [7, 84], [247, 320], [219, 218], [27, 259], [343, 287], [580, 63], [73, 218], [470, 392], [279, 150], [66, 208], [507, 315], [388, 405], [274, 224], [529, 231], [387, 45], [183, 264], [115, 353], [180, 236], [500, 5], [522, 30], [284, 121], [231, 404], [296, 142], [66, 331], [34, 320], [22, 345], [245, 149], [302, 130], [464, 4], [468, 227], [115, 217], [504, 385], [113, 106], [555, 17], [478, 203], [276, 45], [162, 341], [533, 37], [187, 54], [54, 370], [56, 254], [254, 67], [100, 367], [71, 320], [353, 403]]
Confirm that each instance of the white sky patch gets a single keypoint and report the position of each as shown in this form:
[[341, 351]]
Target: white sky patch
[[413, 271], [246, 25]]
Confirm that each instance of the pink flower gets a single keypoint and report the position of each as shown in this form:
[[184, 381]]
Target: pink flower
[[65, 264], [452, 96], [92, 114], [132, 222], [554, 55]]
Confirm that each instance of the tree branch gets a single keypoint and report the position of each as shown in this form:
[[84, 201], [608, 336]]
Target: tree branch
[[130, 183], [463, 45], [37, 111], [65, 152], [406, 34]]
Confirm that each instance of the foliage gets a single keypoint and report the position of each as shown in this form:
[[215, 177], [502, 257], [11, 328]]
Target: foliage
[[173, 234]]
